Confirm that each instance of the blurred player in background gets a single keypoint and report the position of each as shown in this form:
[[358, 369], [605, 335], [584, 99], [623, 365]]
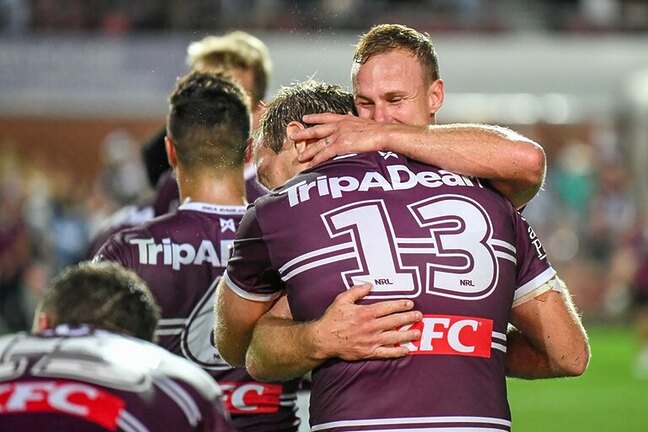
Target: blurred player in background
[[84, 370], [247, 60], [455, 248], [182, 255]]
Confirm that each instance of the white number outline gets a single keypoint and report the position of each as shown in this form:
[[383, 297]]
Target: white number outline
[[362, 273], [459, 230], [455, 225], [199, 331]]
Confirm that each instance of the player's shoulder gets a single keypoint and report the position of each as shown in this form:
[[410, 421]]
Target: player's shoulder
[[148, 359], [9, 340], [159, 362]]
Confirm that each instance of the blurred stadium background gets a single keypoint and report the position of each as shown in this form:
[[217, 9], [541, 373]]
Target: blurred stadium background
[[83, 83]]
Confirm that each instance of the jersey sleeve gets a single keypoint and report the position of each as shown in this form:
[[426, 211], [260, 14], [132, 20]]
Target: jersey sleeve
[[249, 270], [115, 250], [533, 269]]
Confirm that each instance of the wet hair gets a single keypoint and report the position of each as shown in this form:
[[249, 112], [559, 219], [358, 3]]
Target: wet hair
[[235, 50], [292, 103], [209, 121], [104, 295], [384, 38]]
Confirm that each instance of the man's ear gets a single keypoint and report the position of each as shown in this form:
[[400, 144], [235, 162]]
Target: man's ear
[[435, 96], [293, 127], [249, 150], [169, 145]]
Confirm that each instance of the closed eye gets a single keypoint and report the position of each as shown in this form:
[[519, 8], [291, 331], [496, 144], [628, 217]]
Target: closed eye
[[365, 104]]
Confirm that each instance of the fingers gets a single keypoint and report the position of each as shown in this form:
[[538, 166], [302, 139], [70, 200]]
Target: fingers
[[355, 293], [318, 132], [312, 150], [384, 352], [322, 118], [326, 153], [398, 320], [389, 307]]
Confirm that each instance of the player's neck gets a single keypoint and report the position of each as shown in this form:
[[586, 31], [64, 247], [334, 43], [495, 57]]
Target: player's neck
[[226, 187]]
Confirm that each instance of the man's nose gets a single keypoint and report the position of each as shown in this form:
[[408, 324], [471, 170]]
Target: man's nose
[[381, 113]]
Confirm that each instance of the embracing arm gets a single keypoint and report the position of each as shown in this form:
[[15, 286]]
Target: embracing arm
[[283, 349], [549, 339], [514, 164], [235, 318]]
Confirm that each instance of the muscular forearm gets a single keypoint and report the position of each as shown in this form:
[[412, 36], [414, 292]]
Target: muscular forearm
[[513, 164], [282, 349], [523, 360], [551, 340]]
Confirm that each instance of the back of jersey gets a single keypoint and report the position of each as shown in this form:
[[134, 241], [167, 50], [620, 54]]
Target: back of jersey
[[453, 246], [182, 257], [80, 379]]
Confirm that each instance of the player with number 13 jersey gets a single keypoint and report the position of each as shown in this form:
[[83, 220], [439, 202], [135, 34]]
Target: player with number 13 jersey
[[459, 250]]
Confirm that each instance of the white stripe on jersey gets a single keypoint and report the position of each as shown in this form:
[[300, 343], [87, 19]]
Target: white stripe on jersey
[[323, 251], [318, 263], [428, 421], [438, 429], [504, 255], [247, 295], [172, 321], [503, 244], [211, 208], [181, 398], [129, 423], [499, 347], [534, 283], [499, 335], [169, 332]]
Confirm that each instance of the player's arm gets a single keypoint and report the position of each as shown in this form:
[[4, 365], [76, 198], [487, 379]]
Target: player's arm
[[235, 318], [282, 348], [548, 339], [514, 164]]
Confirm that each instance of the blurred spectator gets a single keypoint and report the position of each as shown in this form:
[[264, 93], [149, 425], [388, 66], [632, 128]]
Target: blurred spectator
[[438, 15], [14, 16], [122, 177]]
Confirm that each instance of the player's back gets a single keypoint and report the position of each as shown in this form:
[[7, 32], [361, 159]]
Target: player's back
[[182, 257], [452, 245], [80, 379]]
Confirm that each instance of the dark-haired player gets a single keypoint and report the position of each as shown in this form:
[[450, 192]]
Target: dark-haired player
[[84, 370], [182, 255], [245, 59]]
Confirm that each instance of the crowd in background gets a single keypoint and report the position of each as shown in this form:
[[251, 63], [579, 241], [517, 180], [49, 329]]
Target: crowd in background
[[594, 230], [491, 16], [587, 215]]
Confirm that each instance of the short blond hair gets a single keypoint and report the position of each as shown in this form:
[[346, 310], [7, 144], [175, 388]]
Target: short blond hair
[[235, 50]]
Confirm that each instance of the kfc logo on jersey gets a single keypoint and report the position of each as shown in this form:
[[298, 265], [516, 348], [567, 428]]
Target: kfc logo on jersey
[[178, 254], [69, 398], [251, 397], [452, 335]]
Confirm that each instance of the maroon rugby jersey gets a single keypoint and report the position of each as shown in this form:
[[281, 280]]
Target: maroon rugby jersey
[[182, 257], [165, 200], [80, 379], [456, 248]]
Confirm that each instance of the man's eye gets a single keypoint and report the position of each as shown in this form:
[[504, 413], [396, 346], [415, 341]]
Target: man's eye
[[365, 104], [396, 100]]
